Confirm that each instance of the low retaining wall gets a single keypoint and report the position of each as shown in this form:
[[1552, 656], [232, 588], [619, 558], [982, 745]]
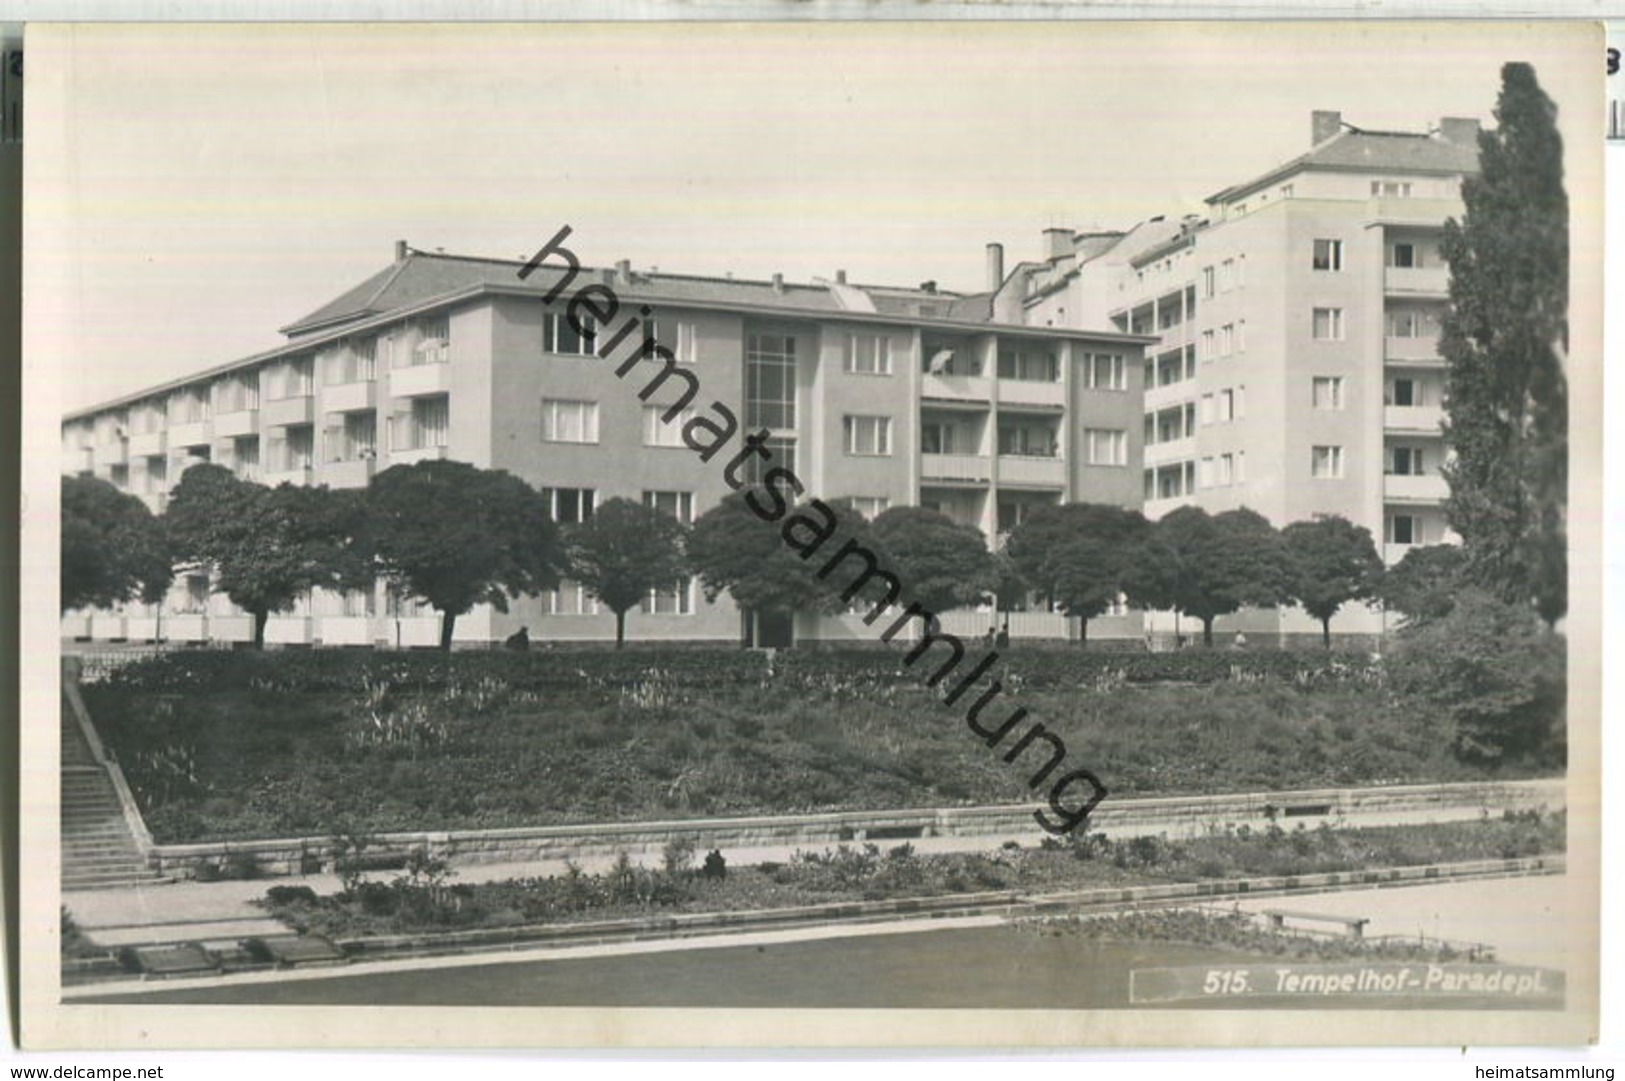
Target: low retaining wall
[[1178, 817]]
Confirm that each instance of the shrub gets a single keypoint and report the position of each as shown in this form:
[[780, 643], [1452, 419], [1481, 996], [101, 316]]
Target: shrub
[[290, 895]]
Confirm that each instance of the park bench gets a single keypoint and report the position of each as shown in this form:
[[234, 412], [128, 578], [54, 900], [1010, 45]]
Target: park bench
[[1354, 926]]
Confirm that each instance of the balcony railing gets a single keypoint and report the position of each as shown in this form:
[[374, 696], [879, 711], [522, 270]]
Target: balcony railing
[[957, 388], [422, 379], [1423, 350], [1428, 281], [1023, 392], [408, 455], [288, 630], [1043, 472], [350, 473], [1422, 419], [960, 467], [148, 444], [112, 452], [238, 422], [298, 475], [196, 433], [283, 412], [350, 397], [1426, 488]]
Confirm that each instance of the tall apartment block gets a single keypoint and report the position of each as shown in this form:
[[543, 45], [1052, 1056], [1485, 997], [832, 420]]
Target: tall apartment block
[[1296, 369], [884, 396]]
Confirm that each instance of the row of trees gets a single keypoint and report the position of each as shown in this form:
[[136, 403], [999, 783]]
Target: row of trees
[[455, 536]]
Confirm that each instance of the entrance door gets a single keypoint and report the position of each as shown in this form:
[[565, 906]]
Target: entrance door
[[775, 630]]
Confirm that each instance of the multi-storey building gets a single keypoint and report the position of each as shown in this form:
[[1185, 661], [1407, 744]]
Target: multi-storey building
[[884, 396], [1296, 370]]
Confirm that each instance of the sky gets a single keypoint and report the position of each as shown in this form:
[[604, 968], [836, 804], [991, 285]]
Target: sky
[[190, 189]]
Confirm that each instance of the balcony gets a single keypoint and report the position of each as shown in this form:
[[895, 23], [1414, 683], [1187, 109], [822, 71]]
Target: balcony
[[969, 468], [346, 630], [141, 628], [416, 632], [1393, 210], [187, 627], [1412, 350], [351, 473], [110, 454], [1020, 392], [231, 628], [286, 630], [350, 397], [298, 476], [1032, 472], [76, 625], [197, 433], [1427, 488], [284, 412], [406, 456], [957, 388], [415, 382], [148, 444], [1416, 281], [1420, 419], [107, 628], [81, 459], [237, 422]]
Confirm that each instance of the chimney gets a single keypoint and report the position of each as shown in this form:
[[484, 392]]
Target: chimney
[[1323, 124], [778, 283], [623, 271], [928, 287], [400, 251], [840, 277], [995, 266], [1057, 242], [1461, 130]]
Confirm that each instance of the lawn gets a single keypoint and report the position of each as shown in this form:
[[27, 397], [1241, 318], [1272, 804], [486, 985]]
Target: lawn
[[235, 746]]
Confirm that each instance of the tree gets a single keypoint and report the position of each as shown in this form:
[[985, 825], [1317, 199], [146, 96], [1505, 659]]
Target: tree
[[454, 535], [1504, 341], [1206, 566], [942, 564], [1083, 556], [624, 551], [268, 546], [1423, 586], [735, 550], [1330, 561], [113, 549]]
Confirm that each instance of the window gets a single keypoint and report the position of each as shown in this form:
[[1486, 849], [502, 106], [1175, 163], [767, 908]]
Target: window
[[936, 438], [1227, 339], [570, 506], [1227, 276], [783, 456], [676, 601], [1105, 446], [1327, 392], [1227, 406], [431, 422], [298, 377], [568, 421], [301, 446], [1226, 470], [1391, 189], [356, 603], [569, 599], [365, 355], [657, 432], [434, 341], [680, 505], [1286, 191], [868, 435], [196, 600], [1328, 324], [1207, 283], [354, 437], [1208, 345], [687, 342], [1404, 529], [558, 336], [1328, 255], [1326, 463], [770, 381], [1029, 440], [1105, 371], [1241, 335], [1207, 409], [1404, 255], [1410, 323], [868, 354], [1406, 462], [1404, 392], [1028, 367], [870, 506]]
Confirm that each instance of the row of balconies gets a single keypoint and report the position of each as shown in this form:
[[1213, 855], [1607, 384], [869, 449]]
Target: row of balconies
[[290, 630]]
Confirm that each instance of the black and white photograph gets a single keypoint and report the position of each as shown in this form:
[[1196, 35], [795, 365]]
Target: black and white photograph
[[870, 534]]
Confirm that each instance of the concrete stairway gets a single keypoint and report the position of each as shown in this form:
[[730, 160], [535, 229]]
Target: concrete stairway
[[98, 849]]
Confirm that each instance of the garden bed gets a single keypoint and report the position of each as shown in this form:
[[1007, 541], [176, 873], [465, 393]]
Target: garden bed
[[230, 746]]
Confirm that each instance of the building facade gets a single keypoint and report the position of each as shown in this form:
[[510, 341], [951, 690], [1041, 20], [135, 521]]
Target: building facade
[[1296, 370], [883, 396]]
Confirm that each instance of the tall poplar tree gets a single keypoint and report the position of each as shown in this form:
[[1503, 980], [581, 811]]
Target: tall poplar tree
[[1505, 342]]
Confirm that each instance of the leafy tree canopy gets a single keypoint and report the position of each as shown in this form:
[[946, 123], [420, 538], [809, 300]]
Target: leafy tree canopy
[[1081, 555], [1422, 587], [734, 550], [1206, 566], [1505, 341], [113, 549], [455, 535], [941, 564], [1330, 562], [624, 551]]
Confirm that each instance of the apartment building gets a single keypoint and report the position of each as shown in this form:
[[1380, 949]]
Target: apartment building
[[884, 396], [1296, 368]]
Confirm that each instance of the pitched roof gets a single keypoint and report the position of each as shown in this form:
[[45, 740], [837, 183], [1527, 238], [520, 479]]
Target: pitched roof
[[1371, 151]]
